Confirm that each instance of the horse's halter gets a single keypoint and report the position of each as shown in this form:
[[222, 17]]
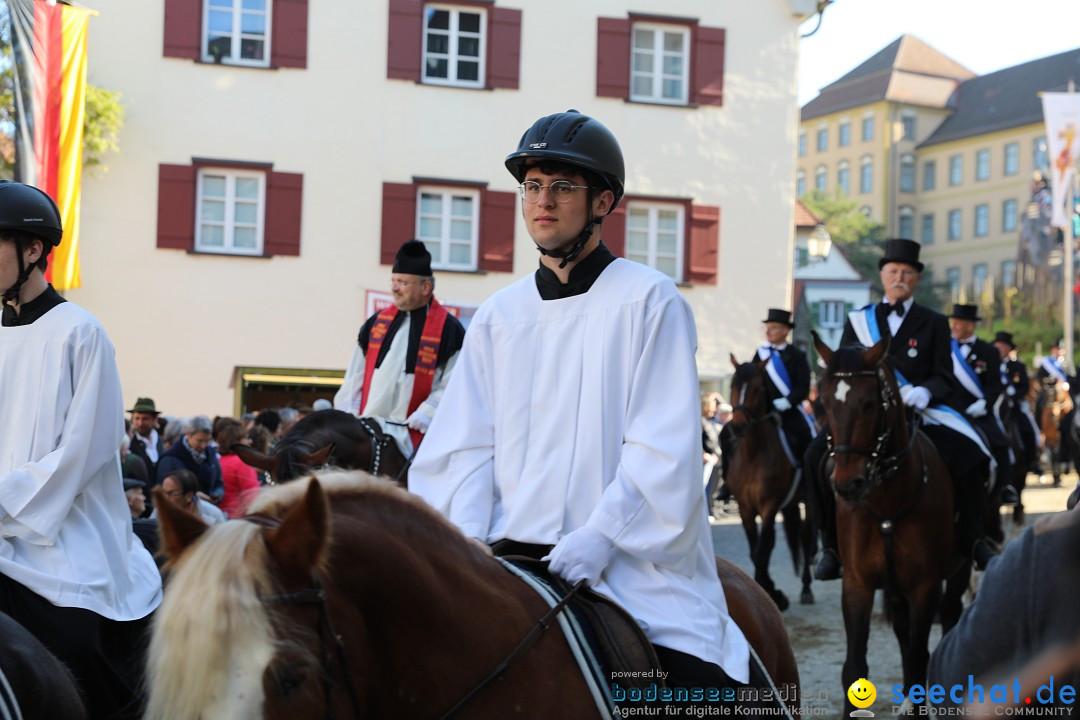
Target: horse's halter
[[879, 467], [738, 430]]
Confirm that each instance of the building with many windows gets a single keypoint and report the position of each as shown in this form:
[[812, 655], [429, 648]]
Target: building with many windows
[[277, 152], [945, 157]]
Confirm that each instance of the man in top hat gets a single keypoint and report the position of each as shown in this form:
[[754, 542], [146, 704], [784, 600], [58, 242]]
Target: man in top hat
[[1014, 378], [976, 366], [787, 381], [404, 354], [1056, 372], [145, 441], [919, 350]]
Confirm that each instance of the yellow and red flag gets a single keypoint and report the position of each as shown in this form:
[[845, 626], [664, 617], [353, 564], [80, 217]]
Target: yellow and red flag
[[49, 40]]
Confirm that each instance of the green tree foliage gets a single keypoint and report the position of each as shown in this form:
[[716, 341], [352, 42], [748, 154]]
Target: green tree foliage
[[862, 241]]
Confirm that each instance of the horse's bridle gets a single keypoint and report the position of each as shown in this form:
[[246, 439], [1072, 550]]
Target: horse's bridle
[[380, 441]]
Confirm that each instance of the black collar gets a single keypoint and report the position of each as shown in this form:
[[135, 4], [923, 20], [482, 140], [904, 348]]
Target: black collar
[[582, 275], [32, 310]]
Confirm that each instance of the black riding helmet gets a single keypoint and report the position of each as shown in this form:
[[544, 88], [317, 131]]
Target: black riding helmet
[[578, 140], [24, 209]]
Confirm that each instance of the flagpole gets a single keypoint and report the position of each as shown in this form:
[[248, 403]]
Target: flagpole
[[1069, 243]]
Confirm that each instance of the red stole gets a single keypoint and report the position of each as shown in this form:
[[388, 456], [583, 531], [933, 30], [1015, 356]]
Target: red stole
[[426, 356]]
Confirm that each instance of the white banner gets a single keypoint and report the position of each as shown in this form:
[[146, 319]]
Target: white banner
[[1061, 111]]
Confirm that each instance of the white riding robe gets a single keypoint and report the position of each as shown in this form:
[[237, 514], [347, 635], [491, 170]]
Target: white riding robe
[[584, 411], [391, 388], [65, 526]]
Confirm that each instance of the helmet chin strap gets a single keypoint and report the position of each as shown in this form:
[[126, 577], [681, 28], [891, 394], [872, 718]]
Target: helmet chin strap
[[11, 295], [570, 254]]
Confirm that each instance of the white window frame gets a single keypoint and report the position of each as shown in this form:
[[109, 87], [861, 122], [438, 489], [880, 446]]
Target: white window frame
[[653, 209], [443, 241], [1009, 215], [1011, 160], [657, 73], [831, 315], [956, 170], [237, 35], [958, 217], [982, 220], [907, 173], [982, 164], [451, 56], [229, 223]]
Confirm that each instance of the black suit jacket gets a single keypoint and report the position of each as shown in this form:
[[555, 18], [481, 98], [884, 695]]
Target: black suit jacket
[[927, 334], [798, 370], [1016, 377], [985, 360]]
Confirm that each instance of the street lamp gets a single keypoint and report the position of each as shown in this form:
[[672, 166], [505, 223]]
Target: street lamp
[[819, 242]]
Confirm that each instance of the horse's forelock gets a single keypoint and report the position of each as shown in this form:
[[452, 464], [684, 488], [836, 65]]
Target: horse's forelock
[[848, 358], [744, 374]]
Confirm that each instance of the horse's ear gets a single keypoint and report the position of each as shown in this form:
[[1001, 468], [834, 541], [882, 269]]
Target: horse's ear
[[177, 528], [256, 459], [823, 350], [317, 458], [873, 355], [734, 362], [299, 542]]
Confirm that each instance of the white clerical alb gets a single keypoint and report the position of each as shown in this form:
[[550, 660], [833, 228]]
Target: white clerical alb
[[65, 527], [583, 411]]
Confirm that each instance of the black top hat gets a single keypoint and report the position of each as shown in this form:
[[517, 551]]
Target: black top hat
[[965, 312], [1005, 337], [144, 405], [413, 258], [777, 315], [902, 251]]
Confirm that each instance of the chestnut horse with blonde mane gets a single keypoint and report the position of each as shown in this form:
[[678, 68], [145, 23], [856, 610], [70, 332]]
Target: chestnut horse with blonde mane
[[345, 596]]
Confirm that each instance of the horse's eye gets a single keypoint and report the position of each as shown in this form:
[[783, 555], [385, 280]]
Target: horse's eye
[[288, 676]]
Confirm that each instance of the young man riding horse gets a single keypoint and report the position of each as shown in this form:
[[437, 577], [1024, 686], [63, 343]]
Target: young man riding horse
[[919, 351]]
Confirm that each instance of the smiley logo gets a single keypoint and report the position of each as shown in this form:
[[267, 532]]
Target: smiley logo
[[862, 693]]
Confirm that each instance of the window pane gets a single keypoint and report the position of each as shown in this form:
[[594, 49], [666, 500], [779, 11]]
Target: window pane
[[638, 258], [213, 236], [435, 249], [673, 42], [430, 204], [469, 22], [254, 24], [460, 254], [666, 266], [247, 213], [251, 49], [438, 19], [213, 211], [244, 238], [468, 46], [430, 228], [642, 62], [642, 86], [438, 43], [643, 39], [637, 242], [213, 186], [461, 229], [219, 47], [461, 206], [220, 22], [673, 88], [468, 71], [673, 65], [667, 220], [436, 67], [666, 244], [247, 188], [637, 219], [255, 5]]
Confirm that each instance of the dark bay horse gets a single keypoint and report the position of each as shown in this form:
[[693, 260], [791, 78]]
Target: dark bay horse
[[248, 625], [762, 480], [894, 511], [33, 683], [330, 437]]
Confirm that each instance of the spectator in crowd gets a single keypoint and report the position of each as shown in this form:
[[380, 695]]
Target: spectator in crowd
[[241, 482], [136, 482], [322, 404], [182, 489], [289, 417], [259, 437], [303, 408], [271, 420], [171, 431], [194, 454], [145, 440]]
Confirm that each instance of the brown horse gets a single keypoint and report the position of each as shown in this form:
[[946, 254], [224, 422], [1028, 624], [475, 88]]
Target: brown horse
[[330, 437], [251, 619], [763, 481], [1056, 403], [894, 513], [33, 682]]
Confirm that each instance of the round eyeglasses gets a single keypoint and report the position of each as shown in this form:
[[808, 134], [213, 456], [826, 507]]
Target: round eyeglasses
[[561, 190]]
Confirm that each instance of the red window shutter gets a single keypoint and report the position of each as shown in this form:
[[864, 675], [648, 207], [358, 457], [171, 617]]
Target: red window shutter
[[702, 256], [404, 42], [497, 216], [288, 45], [284, 204], [504, 48], [176, 207], [183, 29], [613, 231], [613, 57], [707, 66], [398, 219]]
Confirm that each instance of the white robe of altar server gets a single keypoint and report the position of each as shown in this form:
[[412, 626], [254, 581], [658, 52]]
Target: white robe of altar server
[[584, 411], [65, 526]]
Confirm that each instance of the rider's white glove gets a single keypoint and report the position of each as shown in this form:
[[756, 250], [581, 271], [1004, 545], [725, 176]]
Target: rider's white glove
[[781, 404], [418, 421], [915, 396], [977, 409], [581, 555], [1010, 391]]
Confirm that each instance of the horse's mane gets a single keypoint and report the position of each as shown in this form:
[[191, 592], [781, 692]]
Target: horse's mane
[[213, 632]]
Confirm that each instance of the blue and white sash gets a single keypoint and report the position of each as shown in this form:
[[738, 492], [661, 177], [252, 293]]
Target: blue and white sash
[[864, 323], [776, 369], [1050, 365], [965, 374]]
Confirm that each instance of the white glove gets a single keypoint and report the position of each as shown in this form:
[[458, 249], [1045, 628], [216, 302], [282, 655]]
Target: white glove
[[1010, 391], [915, 396], [581, 555], [418, 421], [977, 409], [781, 404]]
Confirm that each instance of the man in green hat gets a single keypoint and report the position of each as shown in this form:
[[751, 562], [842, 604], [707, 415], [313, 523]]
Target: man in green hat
[[145, 440]]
